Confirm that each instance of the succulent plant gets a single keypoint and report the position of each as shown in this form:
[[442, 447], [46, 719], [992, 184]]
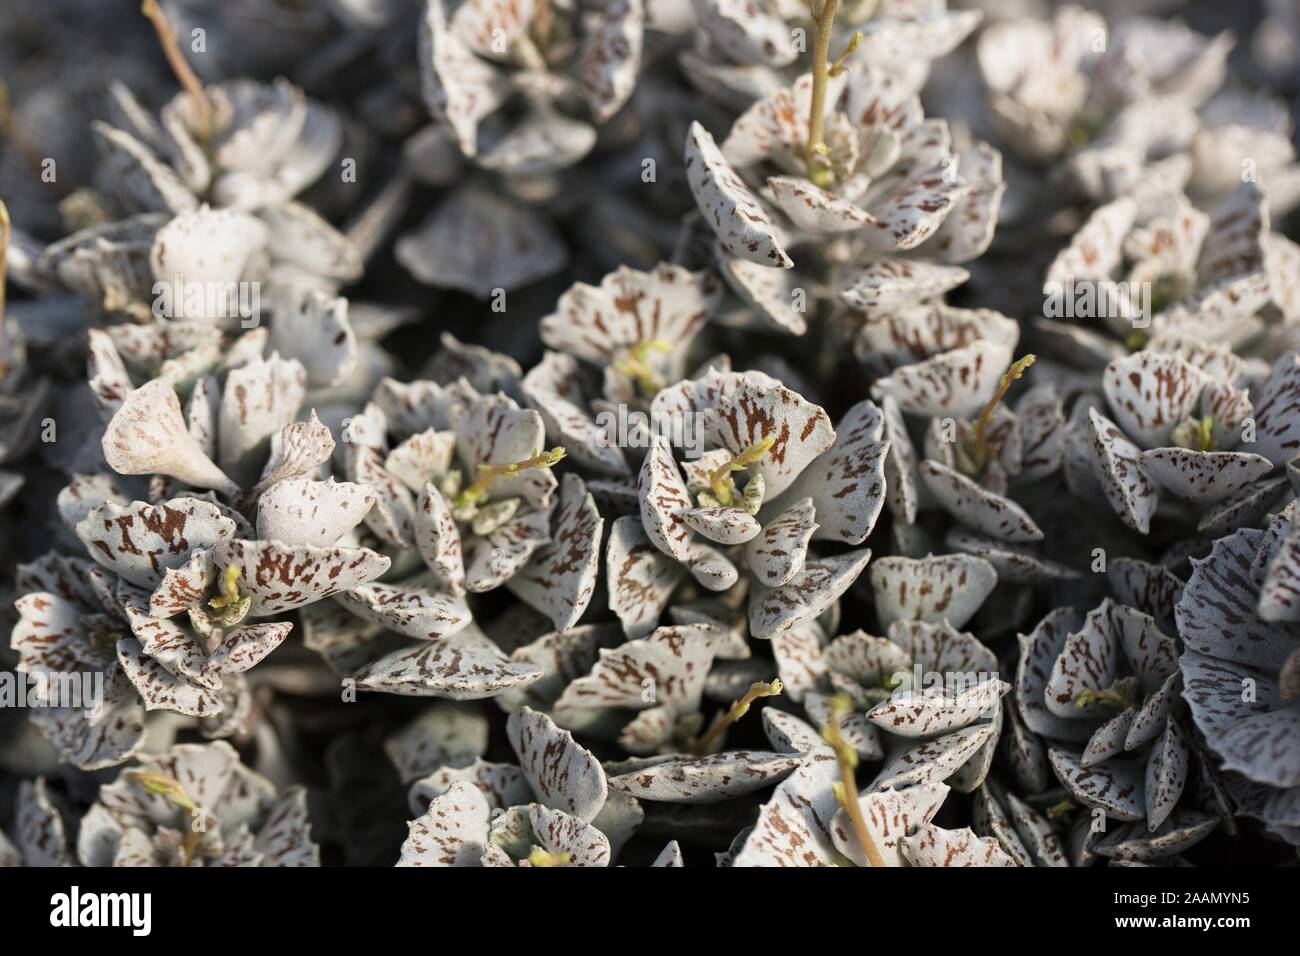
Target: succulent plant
[[760, 433]]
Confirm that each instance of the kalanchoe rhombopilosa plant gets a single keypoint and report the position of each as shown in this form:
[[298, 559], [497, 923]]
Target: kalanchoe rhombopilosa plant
[[848, 433]]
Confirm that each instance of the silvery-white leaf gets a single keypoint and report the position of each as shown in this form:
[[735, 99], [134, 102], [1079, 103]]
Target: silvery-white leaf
[[709, 778], [671, 855], [886, 286], [856, 729], [458, 87], [1118, 463], [1115, 787], [162, 690], [141, 542], [891, 816], [414, 608], [794, 826], [955, 383], [950, 587], [1095, 252], [781, 549], [1166, 775], [317, 513], [976, 506], [640, 577], [559, 832], [745, 33], [280, 577], [40, 831], [810, 593], [611, 56], [847, 482], [934, 846], [1276, 420], [452, 832], [479, 241], [666, 668], [799, 663], [729, 206], [1011, 562], [935, 760], [148, 435], [923, 713], [1151, 392], [438, 540], [560, 577], [1217, 613], [464, 666], [444, 735], [503, 784], [563, 774], [772, 293], [1181, 831], [300, 448], [664, 500], [259, 399]]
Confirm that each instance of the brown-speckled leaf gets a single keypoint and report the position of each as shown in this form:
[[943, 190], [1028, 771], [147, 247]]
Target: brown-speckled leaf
[[934, 846], [930, 711], [793, 827], [559, 832], [600, 324], [707, 779], [885, 286], [639, 576], [1151, 392], [564, 775], [1277, 411], [458, 87], [729, 206], [39, 828], [811, 592], [1217, 613], [956, 383], [1117, 462], [452, 832], [316, 513], [148, 435], [976, 506], [1166, 775], [503, 784], [666, 668], [141, 542], [160, 689], [560, 577], [847, 482], [746, 32], [891, 815], [781, 550], [611, 56], [465, 666], [664, 500], [259, 399], [247, 646], [438, 539], [280, 578], [935, 760], [416, 608], [947, 587], [1115, 787]]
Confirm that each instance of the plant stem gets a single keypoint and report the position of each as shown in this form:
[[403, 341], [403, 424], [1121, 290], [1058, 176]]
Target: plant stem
[[846, 790], [180, 66], [818, 171], [738, 709], [979, 448], [4, 256]]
